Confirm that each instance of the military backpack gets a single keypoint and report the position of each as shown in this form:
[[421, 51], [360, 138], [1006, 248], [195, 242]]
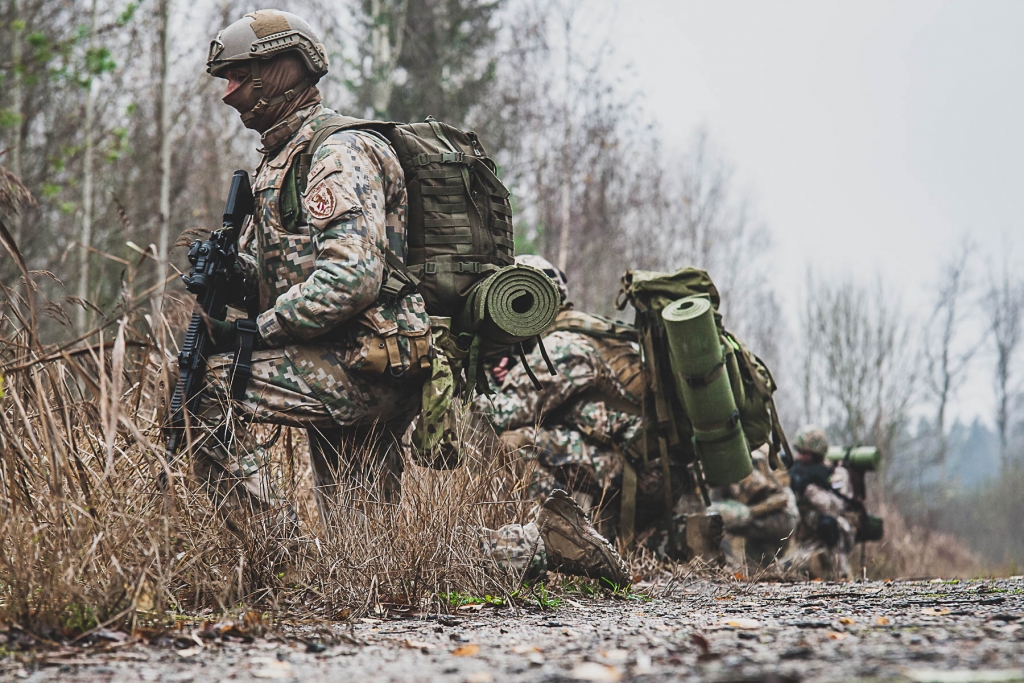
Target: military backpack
[[459, 222]]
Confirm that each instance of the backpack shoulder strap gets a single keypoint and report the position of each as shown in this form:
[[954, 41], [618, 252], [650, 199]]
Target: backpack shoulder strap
[[328, 128]]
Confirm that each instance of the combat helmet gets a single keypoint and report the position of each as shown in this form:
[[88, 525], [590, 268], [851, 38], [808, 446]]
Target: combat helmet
[[265, 34], [549, 269], [811, 439]]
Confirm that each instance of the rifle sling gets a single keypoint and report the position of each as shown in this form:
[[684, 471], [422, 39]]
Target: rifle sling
[[241, 366]]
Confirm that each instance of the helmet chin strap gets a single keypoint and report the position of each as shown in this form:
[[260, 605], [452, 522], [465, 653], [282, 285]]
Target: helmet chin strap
[[262, 104]]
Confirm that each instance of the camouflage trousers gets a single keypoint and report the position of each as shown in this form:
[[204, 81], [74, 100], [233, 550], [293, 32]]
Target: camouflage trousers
[[578, 457], [363, 451]]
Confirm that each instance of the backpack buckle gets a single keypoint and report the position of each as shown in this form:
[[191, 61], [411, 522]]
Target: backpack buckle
[[453, 157], [466, 267], [430, 268]]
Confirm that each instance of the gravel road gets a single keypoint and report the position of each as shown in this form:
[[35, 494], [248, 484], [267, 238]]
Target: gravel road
[[703, 631]]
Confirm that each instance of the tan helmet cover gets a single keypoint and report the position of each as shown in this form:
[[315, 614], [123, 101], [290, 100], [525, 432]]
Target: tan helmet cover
[[811, 439], [549, 269], [265, 34]]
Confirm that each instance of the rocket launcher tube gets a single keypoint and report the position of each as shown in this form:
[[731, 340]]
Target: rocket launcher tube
[[862, 458], [699, 368]]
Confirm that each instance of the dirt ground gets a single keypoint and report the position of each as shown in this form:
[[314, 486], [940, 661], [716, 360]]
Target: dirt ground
[[702, 631]]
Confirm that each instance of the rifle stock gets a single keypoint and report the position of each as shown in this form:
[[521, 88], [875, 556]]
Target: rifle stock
[[214, 279]]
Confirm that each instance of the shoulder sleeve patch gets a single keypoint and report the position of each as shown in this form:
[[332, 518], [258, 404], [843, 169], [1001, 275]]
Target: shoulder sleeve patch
[[321, 202]]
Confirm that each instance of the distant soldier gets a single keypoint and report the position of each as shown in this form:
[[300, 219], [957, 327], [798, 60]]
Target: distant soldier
[[828, 522], [583, 421], [759, 513]]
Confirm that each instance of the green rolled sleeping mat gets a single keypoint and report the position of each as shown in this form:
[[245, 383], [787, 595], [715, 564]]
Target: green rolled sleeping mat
[[861, 458], [699, 369], [515, 304]]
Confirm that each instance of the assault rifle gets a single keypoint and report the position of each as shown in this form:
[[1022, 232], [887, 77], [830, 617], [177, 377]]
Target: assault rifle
[[216, 281]]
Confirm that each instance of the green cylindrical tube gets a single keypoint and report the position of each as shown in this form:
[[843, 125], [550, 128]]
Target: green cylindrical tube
[[862, 458], [513, 305], [698, 366]]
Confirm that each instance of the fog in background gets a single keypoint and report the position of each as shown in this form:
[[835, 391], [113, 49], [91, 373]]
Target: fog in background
[[871, 136]]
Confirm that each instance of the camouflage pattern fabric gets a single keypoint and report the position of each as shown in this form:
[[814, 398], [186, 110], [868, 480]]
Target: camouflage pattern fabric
[[581, 368], [516, 548], [574, 432], [364, 449], [825, 532], [317, 287], [322, 280], [761, 510]]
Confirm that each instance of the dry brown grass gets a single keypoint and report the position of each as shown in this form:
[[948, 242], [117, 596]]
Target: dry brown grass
[[90, 540], [909, 551]]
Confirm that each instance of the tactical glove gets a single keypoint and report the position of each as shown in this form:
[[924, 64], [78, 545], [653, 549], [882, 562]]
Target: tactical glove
[[224, 335]]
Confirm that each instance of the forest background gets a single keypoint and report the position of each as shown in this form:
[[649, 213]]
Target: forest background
[[107, 115]]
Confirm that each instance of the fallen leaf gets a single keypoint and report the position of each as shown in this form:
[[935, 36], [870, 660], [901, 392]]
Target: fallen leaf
[[467, 650], [592, 671], [479, 677], [882, 621], [739, 576], [815, 580], [525, 649], [475, 607], [935, 611], [846, 621], [835, 635], [252, 624], [724, 597], [418, 645], [190, 652], [744, 624], [701, 642]]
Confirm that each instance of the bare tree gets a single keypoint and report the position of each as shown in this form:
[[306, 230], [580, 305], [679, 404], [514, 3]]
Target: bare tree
[[1004, 306], [946, 356], [87, 173], [861, 367]]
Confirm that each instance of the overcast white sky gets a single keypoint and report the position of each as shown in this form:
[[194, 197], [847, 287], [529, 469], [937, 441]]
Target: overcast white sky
[[871, 135]]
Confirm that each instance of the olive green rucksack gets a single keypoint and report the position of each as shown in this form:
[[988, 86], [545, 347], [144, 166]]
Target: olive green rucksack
[[752, 382], [459, 223]]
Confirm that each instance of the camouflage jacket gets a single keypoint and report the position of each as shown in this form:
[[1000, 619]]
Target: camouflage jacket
[[590, 374], [319, 282], [763, 490]]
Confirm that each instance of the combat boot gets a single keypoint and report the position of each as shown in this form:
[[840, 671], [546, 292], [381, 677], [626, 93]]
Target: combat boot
[[573, 545]]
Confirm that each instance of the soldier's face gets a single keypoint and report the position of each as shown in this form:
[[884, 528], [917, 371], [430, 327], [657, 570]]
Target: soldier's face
[[235, 78]]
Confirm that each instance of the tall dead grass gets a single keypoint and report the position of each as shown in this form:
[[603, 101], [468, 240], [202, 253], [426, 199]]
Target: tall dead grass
[[89, 539]]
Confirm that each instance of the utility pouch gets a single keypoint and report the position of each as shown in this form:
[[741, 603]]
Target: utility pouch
[[388, 348]]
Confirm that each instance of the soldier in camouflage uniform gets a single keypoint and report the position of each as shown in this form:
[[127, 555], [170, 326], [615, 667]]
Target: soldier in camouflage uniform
[[577, 429], [759, 513], [332, 358], [828, 524]]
